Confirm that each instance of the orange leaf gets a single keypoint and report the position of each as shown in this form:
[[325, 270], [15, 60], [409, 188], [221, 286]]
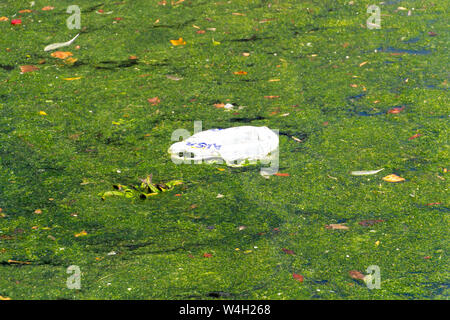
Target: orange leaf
[[28, 68], [4, 19], [240, 72], [271, 97], [282, 174], [61, 54], [396, 110], [414, 136], [48, 8], [207, 255], [393, 178], [178, 42], [298, 277], [219, 105], [154, 101], [25, 11]]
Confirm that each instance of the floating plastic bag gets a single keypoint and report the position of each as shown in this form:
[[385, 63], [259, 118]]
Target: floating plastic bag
[[236, 146]]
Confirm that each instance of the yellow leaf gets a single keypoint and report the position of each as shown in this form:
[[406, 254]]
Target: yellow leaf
[[274, 80], [4, 298], [362, 63], [70, 79], [61, 54], [81, 234], [393, 178], [42, 113], [70, 61], [240, 72], [216, 43], [4, 19], [178, 42]]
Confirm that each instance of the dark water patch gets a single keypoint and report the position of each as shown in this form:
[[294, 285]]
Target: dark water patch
[[111, 65], [435, 207], [252, 38], [7, 67], [397, 50], [247, 120], [412, 40]]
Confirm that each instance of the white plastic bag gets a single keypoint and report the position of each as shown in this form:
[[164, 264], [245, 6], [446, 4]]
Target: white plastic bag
[[235, 146]]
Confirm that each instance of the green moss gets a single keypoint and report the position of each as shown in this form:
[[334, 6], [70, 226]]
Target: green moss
[[154, 249]]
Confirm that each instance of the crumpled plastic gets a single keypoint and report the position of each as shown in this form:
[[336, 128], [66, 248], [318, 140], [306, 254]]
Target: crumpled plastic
[[235, 146]]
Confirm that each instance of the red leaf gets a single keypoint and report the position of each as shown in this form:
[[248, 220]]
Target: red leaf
[[287, 251], [367, 223], [414, 136], [396, 110], [16, 21], [207, 255], [298, 277], [282, 174]]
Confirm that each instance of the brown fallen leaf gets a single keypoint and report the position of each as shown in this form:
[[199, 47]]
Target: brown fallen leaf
[[370, 222], [28, 68], [287, 251], [354, 274], [337, 226]]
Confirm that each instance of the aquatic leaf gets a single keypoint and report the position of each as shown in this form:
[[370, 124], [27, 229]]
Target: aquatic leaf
[[396, 110], [337, 226], [287, 251], [28, 68], [298, 277], [279, 174], [154, 101], [354, 274], [363, 173], [81, 234], [70, 61], [61, 54], [414, 136], [60, 44], [371, 222], [18, 262], [393, 178], [178, 42]]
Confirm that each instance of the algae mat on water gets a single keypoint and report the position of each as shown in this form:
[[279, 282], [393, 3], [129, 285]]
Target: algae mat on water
[[101, 112]]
